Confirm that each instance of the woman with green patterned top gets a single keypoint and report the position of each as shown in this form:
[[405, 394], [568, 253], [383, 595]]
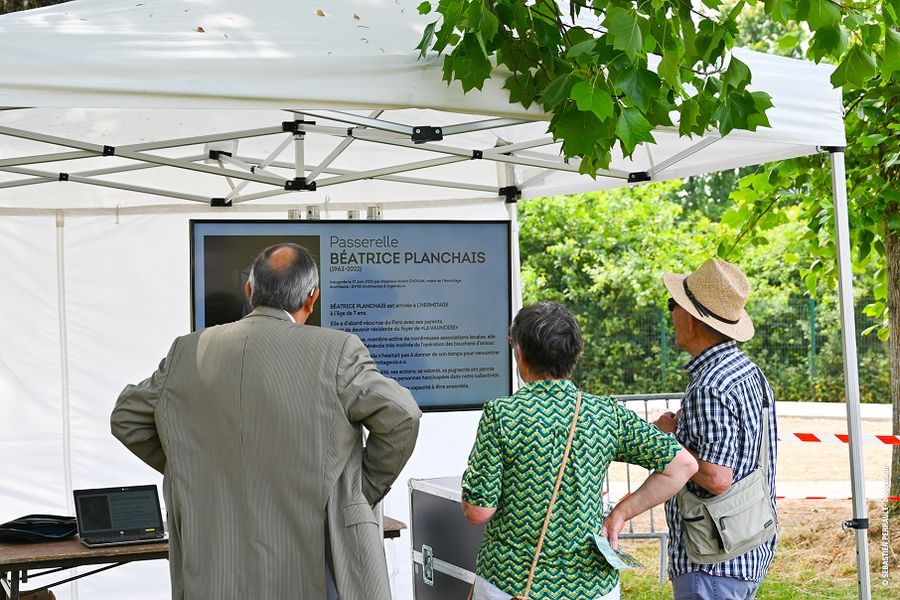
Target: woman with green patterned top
[[516, 457]]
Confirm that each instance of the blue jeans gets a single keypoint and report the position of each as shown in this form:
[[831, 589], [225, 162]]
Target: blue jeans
[[697, 585]]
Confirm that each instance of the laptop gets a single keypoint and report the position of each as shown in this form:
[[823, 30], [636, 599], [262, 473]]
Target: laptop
[[119, 516]]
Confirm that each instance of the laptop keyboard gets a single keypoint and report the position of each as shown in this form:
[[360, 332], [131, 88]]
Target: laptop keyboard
[[118, 539]]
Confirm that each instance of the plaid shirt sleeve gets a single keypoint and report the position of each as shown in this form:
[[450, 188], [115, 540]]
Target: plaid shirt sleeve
[[709, 427], [641, 443], [482, 481]]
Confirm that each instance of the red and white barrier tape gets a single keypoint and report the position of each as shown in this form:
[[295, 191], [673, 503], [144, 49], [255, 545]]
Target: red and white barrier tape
[[889, 498], [891, 440]]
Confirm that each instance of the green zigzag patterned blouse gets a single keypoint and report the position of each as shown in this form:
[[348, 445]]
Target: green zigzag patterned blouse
[[513, 467]]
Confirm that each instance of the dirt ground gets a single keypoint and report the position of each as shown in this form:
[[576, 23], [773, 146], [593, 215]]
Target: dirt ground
[[809, 468]]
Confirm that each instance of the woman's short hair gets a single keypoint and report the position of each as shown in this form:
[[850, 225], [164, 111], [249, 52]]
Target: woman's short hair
[[286, 286], [549, 339]]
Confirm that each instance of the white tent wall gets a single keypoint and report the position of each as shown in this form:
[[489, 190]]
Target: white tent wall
[[125, 285], [96, 279]]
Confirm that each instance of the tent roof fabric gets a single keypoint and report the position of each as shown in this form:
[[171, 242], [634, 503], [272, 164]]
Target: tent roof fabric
[[103, 73]]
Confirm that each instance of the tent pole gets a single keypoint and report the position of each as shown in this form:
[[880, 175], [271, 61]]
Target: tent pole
[[859, 522], [64, 355], [506, 177]]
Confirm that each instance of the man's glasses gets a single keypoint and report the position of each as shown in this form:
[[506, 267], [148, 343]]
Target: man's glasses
[[672, 304]]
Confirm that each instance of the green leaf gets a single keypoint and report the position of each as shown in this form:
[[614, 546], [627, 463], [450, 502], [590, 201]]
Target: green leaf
[[689, 110], [891, 62], [761, 102], [632, 129], [521, 88], [811, 280], [737, 75], [581, 48], [788, 41], [557, 91], [590, 98], [874, 310], [856, 68], [639, 85], [779, 10], [828, 41], [427, 38], [659, 113], [452, 13], [734, 112], [483, 20], [890, 13], [822, 13], [873, 139], [624, 30], [579, 131], [424, 8], [670, 67], [470, 66]]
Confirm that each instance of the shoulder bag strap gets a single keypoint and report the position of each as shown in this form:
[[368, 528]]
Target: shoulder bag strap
[[562, 468], [762, 456]]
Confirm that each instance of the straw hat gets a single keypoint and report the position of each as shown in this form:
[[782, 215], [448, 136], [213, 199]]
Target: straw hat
[[715, 294]]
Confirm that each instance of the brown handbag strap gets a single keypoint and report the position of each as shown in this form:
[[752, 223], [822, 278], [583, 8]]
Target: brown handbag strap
[[562, 468]]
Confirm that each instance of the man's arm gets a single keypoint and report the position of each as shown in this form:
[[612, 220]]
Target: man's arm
[[715, 479], [133, 419], [388, 411]]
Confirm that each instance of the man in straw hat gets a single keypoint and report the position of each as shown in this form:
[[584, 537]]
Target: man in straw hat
[[720, 420]]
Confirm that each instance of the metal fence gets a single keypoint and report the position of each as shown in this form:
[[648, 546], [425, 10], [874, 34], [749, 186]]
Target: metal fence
[[798, 346], [644, 405]]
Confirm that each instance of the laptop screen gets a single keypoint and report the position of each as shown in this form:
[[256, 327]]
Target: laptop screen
[[118, 511]]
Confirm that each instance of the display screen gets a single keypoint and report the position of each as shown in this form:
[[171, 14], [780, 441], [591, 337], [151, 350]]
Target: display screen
[[431, 300]]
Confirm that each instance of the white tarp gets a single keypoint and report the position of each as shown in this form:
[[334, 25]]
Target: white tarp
[[101, 72], [96, 278]]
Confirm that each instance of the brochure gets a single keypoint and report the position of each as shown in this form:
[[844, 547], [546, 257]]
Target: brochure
[[616, 558]]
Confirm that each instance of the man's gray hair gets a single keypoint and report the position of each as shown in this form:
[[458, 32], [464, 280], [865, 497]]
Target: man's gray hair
[[286, 286]]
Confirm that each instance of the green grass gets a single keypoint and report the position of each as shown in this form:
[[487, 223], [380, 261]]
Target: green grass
[[791, 577]]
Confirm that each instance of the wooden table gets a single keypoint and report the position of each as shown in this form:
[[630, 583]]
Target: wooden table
[[17, 559]]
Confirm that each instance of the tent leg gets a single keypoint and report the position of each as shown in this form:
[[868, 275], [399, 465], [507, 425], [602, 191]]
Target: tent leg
[[859, 523], [515, 271]]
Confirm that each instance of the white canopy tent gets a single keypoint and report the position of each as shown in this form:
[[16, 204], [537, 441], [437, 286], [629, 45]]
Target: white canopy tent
[[143, 116]]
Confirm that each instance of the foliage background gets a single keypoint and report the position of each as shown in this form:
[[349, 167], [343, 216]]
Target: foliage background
[[603, 254]]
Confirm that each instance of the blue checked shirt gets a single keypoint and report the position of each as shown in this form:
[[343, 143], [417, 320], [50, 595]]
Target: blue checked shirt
[[720, 421]]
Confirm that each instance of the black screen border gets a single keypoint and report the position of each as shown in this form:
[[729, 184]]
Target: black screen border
[[378, 223]]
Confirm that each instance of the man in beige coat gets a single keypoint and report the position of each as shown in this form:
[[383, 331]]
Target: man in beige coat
[[256, 426]]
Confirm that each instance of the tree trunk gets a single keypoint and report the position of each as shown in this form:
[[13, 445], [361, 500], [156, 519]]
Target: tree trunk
[[892, 266]]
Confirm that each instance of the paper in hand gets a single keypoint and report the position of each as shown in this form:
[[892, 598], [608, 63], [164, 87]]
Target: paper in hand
[[616, 558]]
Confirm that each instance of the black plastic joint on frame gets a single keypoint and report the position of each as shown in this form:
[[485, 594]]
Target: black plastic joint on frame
[[219, 202], [63, 176], [856, 524], [294, 126], [511, 192], [109, 150], [424, 133], [477, 154], [298, 184], [832, 149], [638, 177], [216, 154]]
